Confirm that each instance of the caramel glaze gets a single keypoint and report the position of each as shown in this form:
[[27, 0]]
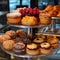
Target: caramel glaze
[[46, 48], [33, 49]]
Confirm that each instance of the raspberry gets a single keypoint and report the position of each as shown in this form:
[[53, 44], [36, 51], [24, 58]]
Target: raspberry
[[30, 10], [27, 10], [34, 9], [34, 12], [21, 11]]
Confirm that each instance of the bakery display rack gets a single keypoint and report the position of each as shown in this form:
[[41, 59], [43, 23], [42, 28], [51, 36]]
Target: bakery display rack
[[51, 30], [38, 57], [30, 28], [44, 31]]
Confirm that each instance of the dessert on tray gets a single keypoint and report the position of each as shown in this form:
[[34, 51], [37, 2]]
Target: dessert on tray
[[45, 48], [14, 18], [8, 44], [19, 48], [32, 49], [41, 44]]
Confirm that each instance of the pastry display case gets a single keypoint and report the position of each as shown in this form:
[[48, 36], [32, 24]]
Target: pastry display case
[[31, 33]]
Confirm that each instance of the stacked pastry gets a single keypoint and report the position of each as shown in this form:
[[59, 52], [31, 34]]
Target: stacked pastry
[[41, 44], [24, 16]]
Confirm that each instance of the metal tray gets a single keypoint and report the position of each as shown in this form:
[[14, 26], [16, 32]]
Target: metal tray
[[55, 18], [54, 52], [24, 26]]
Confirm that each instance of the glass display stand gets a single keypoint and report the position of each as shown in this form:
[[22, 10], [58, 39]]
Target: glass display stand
[[30, 28], [29, 57], [38, 57], [52, 30]]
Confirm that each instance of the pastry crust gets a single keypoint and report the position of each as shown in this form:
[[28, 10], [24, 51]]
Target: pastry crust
[[38, 40], [56, 8], [32, 52], [53, 13], [49, 8], [29, 20], [54, 43], [8, 45], [4, 38], [32, 49], [46, 51], [58, 15], [45, 48], [11, 33], [45, 18], [13, 18], [21, 33]]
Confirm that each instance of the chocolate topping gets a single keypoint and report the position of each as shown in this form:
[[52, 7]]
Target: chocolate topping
[[19, 46]]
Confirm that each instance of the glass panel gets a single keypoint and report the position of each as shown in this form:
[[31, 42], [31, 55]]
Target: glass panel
[[13, 4], [26, 2]]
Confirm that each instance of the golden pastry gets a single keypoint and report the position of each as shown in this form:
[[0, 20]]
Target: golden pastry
[[8, 45], [29, 20], [4, 38], [45, 48], [32, 49], [11, 33], [49, 8], [14, 18], [53, 40], [21, 33], [45, 18]]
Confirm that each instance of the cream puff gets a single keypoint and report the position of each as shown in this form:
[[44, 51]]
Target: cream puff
[[29, 20], [32, 49], [45, 48]]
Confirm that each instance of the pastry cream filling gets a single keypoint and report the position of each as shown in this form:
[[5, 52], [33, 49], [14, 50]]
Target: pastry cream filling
[[38, 40], [45, 45], [32, 46]]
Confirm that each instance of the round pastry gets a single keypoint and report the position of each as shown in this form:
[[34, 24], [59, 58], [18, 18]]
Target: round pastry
[[45, 18], [29, 20], [49, 8], [19, 48], [4, 38], [8, 45], [54, 42], [21, 33], [11, 33], [14, 18], [38, 40], [45, 48], [32, 49]]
